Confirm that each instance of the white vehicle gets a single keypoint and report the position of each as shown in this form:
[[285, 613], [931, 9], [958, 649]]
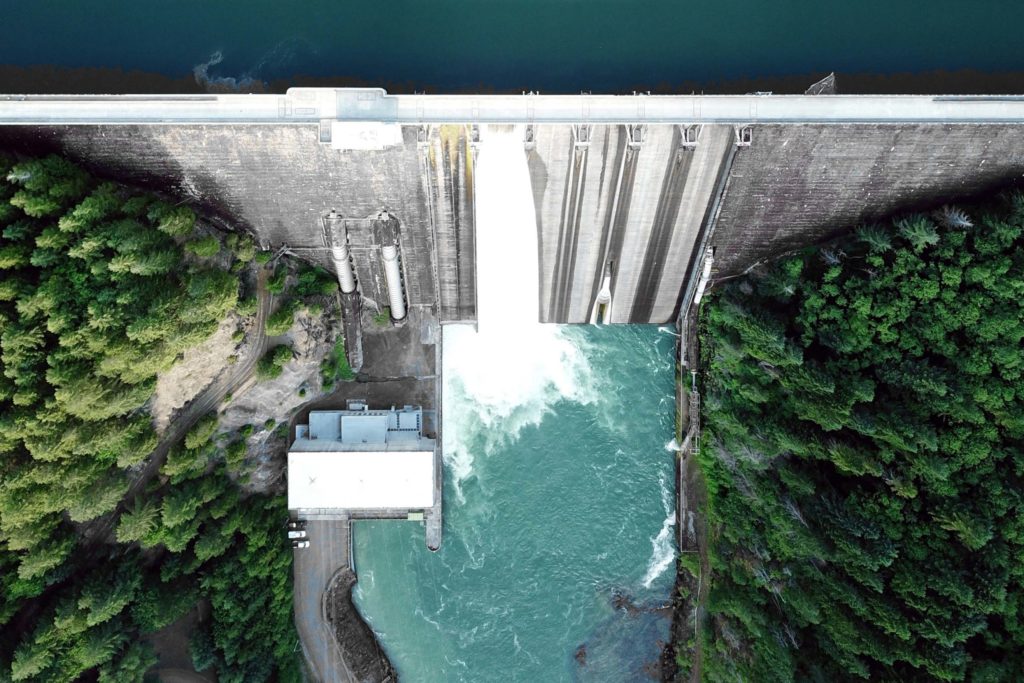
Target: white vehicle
[[296, 534], [300, 524], [300, 544]]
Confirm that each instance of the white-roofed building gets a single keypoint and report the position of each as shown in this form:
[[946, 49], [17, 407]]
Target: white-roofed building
[[362, 463]]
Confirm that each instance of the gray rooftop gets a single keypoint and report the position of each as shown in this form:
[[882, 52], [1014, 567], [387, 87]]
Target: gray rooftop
[[362, 429]]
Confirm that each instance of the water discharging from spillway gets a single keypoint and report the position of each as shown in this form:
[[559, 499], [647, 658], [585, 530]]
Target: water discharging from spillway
[[513, 368], [558, 540]]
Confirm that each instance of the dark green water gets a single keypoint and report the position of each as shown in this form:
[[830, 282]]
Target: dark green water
[[552, 45]]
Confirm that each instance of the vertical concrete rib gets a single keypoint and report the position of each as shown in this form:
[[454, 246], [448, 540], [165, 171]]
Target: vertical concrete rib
[[648, 169], [707, 231], [601, 179], [450, 170], [569, 233], [550, 162], [429, 179], [467, 228], [558, 275], [614, 226], [655, 256], [695, 212]]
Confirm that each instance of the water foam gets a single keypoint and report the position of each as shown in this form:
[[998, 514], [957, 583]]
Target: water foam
[[201, 72], [510, 372], [278, 57], [663, 551]]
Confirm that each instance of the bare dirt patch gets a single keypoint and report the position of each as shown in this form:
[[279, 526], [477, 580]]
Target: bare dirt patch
[[194, 372], [311, 338]]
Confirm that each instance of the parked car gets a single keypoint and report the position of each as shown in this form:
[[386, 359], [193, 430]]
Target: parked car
[[300, 544], [298, 524], [297, 534]]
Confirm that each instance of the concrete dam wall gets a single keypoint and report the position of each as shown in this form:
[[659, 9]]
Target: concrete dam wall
[[798, 184], [623, 204], [280, 181], [633, 202], [623, 211]]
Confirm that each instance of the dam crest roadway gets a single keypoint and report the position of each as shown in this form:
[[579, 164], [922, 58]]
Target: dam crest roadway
[[305, 105]]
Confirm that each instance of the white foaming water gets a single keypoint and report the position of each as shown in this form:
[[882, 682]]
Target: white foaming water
[[512, 371], [663, 550], [672, 446]]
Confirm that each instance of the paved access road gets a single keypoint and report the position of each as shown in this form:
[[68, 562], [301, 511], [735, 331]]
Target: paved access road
[[314, 566]]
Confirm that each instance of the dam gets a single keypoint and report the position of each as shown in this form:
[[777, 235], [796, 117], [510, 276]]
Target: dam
[[639, 202], [632, 193]]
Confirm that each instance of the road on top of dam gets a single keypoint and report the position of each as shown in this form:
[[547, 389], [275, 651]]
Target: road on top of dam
[[374, 105]]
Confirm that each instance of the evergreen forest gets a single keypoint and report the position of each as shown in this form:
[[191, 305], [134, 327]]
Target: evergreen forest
[[863, 423], [102, 287]]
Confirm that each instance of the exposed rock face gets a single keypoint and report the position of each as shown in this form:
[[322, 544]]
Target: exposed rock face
[[197, 369]]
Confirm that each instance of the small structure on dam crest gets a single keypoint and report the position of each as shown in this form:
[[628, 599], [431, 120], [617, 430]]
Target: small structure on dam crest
[[365, 464]]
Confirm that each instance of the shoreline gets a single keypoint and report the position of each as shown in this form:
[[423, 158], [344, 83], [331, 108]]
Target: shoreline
[[360, 648]]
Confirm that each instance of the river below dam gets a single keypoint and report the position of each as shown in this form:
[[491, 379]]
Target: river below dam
[[557, 560], [560, 535]]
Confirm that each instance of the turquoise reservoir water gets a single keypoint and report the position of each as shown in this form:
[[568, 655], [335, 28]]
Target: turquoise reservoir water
[[558, 529], [552, 45]]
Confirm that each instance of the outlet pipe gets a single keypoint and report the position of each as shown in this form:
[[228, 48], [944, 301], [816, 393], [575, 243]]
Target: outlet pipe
[[602, 311], [394, 277], [346, 278], [709, 261], [339, 253]]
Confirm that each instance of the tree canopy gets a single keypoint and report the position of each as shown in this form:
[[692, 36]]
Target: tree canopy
[[864, 418], [97, 296]]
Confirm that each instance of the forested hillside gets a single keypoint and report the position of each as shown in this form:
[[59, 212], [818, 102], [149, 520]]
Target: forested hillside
[[864, 418], [97, 296]]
